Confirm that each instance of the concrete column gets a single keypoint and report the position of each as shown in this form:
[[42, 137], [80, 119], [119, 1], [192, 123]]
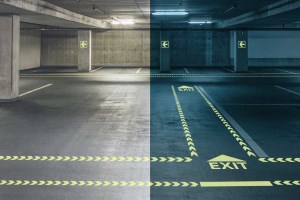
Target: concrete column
[[84, 51], [209, 48], [9, 57], [240, 51], [165, 51]]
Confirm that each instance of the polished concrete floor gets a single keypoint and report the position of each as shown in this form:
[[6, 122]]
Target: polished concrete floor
[[120, 118]]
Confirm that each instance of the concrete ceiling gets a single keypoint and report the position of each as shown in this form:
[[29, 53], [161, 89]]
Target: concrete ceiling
[[139, 10], [44, 13], [107, 10], [209, 10], [99, 13]]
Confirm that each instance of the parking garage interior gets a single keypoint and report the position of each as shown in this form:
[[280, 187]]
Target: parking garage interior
[[149, 99]]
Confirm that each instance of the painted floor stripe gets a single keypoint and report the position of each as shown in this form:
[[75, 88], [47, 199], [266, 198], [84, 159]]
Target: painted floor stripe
[[279, 160], [291, 91], [96, 69], [186, 70], [138, 71], [237, 184], [31, 91], [185, 126], [227, 69], [254, 146], [175, 184], [97, 159], [286, 71]]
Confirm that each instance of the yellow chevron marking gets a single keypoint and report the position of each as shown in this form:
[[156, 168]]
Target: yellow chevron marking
[[287, 183], [279, 160], [187, 133], [96, 159]]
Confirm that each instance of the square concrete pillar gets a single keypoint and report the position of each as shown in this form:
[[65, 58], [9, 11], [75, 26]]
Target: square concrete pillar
[[9, 57], [240, 39], [209, 48], [84, 51], [165, 51]]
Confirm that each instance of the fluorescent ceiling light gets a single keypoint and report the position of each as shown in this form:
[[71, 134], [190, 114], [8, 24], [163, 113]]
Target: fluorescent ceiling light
[[200, 22], [170, 13], [123, 22]]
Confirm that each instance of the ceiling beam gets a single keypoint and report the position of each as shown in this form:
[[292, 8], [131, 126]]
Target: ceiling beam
[[274, 13], [42, 8]]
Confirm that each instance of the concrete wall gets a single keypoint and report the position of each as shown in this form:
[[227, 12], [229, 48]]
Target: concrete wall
[[30, 49], [59, 48], [132, 48], [273, 48], [110, 48], [221, 48], [189, 48], [121, 48]]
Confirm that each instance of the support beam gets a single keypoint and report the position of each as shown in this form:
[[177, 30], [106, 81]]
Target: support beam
[[9, 57], [165, 51], [84, 51], [240, 51], [42, 12], [278, 13]]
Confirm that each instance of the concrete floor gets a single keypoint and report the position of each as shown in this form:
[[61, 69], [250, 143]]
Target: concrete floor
[[76, 117], [117, 115]]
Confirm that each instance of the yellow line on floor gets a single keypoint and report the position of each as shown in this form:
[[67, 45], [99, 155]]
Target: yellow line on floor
[[237, 184], [279, 160], [185, 126], [98, 183], [97, 159]]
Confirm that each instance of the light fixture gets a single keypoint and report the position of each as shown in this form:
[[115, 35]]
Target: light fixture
[[170, 13], [200, 22], [122, 22]]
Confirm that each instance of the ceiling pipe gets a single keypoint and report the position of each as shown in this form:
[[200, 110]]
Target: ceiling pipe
[[230, 9], [103, 13]]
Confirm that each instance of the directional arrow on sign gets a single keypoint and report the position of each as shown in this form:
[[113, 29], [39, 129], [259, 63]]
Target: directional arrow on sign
[[165, 44], [242, 44]]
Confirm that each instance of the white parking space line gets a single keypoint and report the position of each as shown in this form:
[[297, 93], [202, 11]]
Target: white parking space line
[[186, 70], [31, 91], [255, 147], [96, 69], [286, 71], [138, 71], [227, 69], [35, 71], [291, 91]]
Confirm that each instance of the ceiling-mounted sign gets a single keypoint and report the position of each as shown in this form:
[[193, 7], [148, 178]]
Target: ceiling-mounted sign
[[83, 44], [242, 44], [165, 44]]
